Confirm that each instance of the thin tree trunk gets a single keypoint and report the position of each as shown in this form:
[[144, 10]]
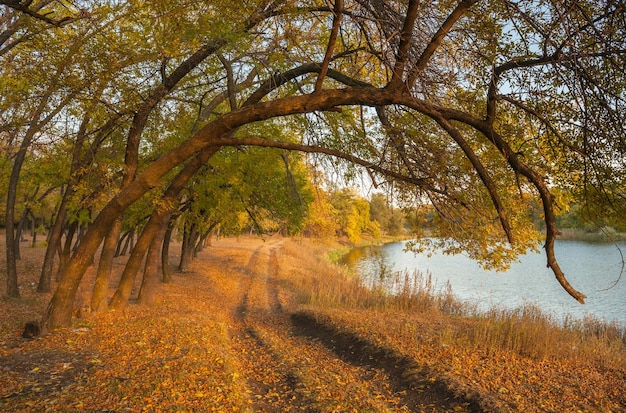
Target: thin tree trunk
[[54, 240], [151, 270], [56, 231], [105, 268], [202, 241], [124, 242], [125, 286], [19, 234], [34, 230], [186, 253], [66, 248], [165, 256]]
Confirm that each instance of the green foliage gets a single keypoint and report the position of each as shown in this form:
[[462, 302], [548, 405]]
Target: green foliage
[[352, 215], [391, 220], [516, 113], [266, 190]]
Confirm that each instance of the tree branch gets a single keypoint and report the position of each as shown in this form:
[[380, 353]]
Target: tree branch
[[24, 7], [337, 12], [445, 28], [405, 44]]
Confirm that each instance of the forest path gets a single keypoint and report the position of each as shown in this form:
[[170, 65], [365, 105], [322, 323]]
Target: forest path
[[292, 363], [230, 334]]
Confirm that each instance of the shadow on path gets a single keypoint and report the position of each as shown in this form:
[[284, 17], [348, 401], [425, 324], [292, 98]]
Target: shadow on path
[[418, 388]]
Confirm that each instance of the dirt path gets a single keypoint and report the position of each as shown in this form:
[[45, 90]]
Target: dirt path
[[294, 363], [228, 335]]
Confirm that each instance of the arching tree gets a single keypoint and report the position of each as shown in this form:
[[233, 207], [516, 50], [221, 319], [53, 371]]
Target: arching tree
[[476, 108]]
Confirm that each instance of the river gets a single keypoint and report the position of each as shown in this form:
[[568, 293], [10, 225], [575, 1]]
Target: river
[[592, 268]]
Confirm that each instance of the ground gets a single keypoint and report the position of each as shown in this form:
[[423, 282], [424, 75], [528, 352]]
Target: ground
[[232, 334]]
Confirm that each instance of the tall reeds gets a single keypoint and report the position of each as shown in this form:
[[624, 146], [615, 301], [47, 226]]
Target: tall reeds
[[526, 330]]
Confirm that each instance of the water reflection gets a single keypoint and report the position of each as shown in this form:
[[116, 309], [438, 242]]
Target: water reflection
[[592, 268]]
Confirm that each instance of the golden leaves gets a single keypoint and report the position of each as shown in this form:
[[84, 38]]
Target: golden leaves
[[193, 352]]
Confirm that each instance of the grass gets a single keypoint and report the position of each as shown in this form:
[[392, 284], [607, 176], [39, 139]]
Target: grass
[[517, 360], [195, 350], [526, 330]]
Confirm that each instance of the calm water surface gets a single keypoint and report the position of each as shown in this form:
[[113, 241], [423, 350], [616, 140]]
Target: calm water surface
[[591, 268]]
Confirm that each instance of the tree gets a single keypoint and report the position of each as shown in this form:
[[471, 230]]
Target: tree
[[352, 215], [391, 219], [473, 108]]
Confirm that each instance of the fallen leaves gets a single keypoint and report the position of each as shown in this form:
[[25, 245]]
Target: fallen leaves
[[219, 338]]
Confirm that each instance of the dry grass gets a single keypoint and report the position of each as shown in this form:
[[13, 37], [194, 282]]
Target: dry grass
[[526, 330], [528, 359], [517, 360]]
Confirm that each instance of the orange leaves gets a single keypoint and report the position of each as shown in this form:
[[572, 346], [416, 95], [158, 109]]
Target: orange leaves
[[196, 350]]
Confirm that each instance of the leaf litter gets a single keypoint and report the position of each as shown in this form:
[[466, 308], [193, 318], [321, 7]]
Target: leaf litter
[[232, 334]]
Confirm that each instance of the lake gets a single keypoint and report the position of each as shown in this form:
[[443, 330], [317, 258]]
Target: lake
[[592, 268]]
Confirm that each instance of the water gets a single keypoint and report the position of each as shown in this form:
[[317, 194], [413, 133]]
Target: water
[[591, 268]]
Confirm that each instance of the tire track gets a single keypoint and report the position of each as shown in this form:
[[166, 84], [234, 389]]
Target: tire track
[[272, 385], [272, 283], [295, 363], [418, 390]]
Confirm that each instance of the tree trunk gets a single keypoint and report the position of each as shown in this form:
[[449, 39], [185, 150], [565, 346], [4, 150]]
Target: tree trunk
[[124, 242], [66, 248], [186, 253], [125, 286], [202, 241], [54, 240], [34, 230], [56, 231], [59, 311], [165, 256], [12, 244], [151, 271], [206, 141], [105, 268], [12, 285]]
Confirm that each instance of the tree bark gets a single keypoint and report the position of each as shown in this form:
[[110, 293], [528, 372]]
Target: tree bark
[[54, 239], [186, 251], [59, 311], [66, 248], [105, 268], [151, 270], [56, 232], [165, 256], [125, 286]]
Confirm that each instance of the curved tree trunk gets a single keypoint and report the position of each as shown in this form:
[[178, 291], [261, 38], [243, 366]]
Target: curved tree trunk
[[56, 232], [66, 248], [125, 286], [54, 239], [12, 243], [186, 251], [204, 240], [125, 243]]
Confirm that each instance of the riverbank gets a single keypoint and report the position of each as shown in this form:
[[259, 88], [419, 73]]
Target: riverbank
[[270, 326], [607, 236]]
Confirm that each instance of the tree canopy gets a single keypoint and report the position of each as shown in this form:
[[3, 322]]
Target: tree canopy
[[478, 109]]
